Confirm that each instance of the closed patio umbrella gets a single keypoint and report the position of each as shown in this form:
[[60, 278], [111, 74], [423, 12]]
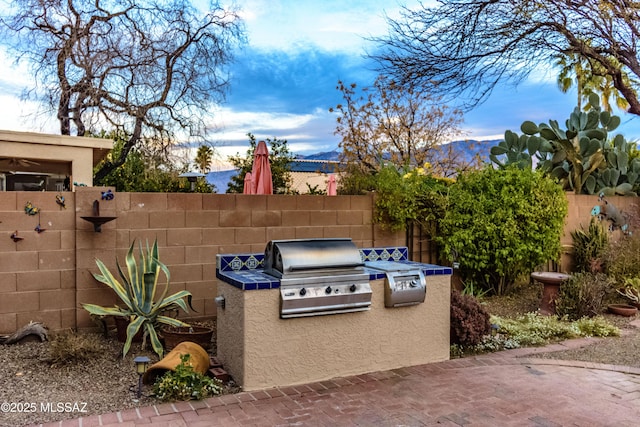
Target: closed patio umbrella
[[261, 172], [248, 184], [331, 186]]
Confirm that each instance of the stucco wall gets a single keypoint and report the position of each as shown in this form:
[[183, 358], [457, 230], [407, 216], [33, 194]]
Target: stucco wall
[[260, 350], [81, 153], [579, 215]]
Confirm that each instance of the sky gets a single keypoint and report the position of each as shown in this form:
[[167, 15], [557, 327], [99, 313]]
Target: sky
[[284, 80]]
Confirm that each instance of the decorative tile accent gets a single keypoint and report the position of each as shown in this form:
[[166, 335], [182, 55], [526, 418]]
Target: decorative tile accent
[[395, 253], [236, 264], [252, 263], [245, 271], [248, 280], [240, 262]]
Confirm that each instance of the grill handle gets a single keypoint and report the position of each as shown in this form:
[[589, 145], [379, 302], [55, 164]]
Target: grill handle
[[326, 266]]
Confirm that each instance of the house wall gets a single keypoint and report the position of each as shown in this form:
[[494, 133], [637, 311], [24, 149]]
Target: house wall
[[81, 153], [46, 276]]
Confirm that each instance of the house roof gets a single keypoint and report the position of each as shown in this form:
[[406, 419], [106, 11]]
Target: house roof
[[319, 166]]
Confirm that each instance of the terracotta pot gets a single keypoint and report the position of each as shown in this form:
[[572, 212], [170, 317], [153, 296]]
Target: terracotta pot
[[200, 335], [623, 309], [199, 361], [121, 330]]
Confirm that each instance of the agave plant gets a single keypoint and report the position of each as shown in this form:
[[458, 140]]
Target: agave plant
[[631, 289], [137, 290]]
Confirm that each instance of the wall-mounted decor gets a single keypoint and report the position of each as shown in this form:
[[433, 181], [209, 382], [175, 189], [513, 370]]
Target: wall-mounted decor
[[15, 237], [96, 219], [107, 195], [29, 209], [60, 201], [607, 211]]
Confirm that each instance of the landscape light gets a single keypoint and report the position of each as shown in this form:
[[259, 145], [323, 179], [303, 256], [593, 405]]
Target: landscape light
[[142, 362]]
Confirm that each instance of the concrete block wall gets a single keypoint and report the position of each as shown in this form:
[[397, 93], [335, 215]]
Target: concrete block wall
[[46, 276], [37, 274]]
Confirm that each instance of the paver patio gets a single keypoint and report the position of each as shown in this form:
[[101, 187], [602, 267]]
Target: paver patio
[[500, 389]]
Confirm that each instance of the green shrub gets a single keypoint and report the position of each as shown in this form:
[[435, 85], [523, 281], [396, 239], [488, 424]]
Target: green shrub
[[488, 344], [71, 347], [534, 330], [469, 320], [501, 224], [471, 288], [408, 196], [185, 384], [583, 295], [596, 327], [622, 258]]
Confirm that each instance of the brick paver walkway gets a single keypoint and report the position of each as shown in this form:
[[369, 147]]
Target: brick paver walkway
[[501, 389]]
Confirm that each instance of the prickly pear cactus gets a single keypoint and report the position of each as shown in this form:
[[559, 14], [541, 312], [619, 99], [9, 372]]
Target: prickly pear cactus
[[581, 157]]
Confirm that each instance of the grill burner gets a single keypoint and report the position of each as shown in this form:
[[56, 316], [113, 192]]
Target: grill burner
[[405, 284], [318, 276]]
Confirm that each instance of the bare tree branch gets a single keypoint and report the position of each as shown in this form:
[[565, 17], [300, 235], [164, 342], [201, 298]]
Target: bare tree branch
[[466, 47], [144, 67]]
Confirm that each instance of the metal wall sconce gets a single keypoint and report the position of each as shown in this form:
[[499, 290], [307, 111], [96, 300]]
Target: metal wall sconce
[[142, 362], [96, 219]]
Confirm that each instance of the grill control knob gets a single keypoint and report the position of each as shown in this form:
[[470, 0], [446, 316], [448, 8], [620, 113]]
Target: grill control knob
[[352, 288], [328, 290], [303, 292], [413, 283]]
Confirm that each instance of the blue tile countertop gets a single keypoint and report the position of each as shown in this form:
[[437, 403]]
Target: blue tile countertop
[[246, 271]]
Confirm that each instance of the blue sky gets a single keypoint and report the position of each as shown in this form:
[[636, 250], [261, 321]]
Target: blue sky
[[283, 82]]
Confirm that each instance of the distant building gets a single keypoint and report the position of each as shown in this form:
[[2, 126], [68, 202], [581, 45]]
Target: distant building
[[310, 174]]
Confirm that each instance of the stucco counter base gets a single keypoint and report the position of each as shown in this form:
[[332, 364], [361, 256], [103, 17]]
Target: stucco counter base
[[260, 350]]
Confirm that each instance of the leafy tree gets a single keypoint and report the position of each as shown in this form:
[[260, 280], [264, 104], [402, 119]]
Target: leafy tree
[[576, 69], [148, 169], [203, 158], [502, 223], [147, 68], [396, 124], [463, 48], [279, 158]]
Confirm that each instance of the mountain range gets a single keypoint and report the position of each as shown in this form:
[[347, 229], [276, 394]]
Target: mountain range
[[469, 148]]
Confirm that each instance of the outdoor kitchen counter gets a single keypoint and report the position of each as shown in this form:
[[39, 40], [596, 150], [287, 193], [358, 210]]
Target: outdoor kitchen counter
[[246, 271], [262, 350], [250, 280]]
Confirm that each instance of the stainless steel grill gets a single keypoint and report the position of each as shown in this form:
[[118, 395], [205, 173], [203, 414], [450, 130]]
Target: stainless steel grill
[[318, 276]]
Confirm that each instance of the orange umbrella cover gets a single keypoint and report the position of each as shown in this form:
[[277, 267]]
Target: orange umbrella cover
[[248, 184], [261, 173]]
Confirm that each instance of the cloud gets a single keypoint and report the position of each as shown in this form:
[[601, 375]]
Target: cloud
[[282, 81], [333, 25]]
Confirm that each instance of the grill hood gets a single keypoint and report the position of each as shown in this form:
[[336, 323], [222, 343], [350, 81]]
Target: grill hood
[[303, 257]]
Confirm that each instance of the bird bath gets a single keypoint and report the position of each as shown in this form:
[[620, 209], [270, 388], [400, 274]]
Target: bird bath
[[551, 287], [96, 219]]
